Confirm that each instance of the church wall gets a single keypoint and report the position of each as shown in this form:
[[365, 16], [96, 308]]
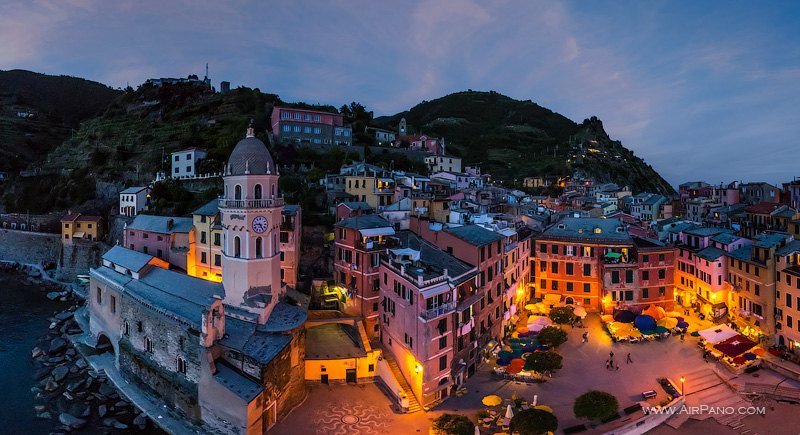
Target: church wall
[[157, 371]]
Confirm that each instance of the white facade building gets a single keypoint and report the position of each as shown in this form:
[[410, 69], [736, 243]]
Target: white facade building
[[443, 163], [133, 200], [184, 162]]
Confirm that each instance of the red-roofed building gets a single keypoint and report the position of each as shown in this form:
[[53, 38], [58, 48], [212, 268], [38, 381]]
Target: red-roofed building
[[767, 216]]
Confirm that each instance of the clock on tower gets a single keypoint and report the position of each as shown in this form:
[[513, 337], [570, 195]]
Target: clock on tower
[[260, 224]]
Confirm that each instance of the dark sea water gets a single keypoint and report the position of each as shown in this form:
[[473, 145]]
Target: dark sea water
[[24, 310]]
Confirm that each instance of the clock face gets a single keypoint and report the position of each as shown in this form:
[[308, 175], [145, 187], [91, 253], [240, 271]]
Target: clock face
[[260, 224]]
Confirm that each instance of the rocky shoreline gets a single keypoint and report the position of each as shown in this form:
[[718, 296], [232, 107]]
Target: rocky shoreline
[[68, 391]]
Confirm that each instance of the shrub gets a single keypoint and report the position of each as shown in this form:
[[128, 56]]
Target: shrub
[[551, 336], [534, 422], [562, 315], [595, 405], [453, 424], [543, 361]]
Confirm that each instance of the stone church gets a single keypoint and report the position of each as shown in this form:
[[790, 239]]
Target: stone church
[[229, 356]]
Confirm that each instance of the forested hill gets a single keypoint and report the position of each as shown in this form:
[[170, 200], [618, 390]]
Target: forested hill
[[38, 112], [513, 139]]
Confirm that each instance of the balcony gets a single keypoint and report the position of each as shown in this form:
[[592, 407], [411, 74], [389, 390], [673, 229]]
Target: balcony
[[438, 311], [377, 246], [250, 203], [509, 247], [384, 190]]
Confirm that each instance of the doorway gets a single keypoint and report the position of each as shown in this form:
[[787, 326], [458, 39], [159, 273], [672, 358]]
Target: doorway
[[350, 376]]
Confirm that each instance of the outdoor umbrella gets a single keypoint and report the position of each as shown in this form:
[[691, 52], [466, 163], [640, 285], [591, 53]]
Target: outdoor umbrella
[[655, 312], [673, 314], [579, 311], [530, 307], [739, 360], [668, 322], [513, 370], [544, 408], [695, 334], [644, 322], [517, 362], [749, 356], [734, 346], [522, 329], [682, 325], [538, 323], [509, 412], [492, 400], [759, 351], [661, 330], [625, 316], [605, 318]]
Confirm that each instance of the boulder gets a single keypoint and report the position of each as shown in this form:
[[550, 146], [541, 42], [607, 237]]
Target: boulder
[[60, 372], [55, 359], [71, 421], [64, 315], [44, 415], [41, 373], [101, 411], [50, 385], [106, 390], [36, 352], [58, 345], [71, 352], [81, 363], [140, 421], [53, 295], [122, 404]]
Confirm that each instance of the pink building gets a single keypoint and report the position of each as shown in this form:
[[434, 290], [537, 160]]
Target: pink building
[[167, 238], [299, 125], [424, 293], [359, 242], [348, 209], [423, 142], [291, 233]]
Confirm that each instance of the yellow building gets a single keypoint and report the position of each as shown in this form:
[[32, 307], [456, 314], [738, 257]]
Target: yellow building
[[338, 350], [204, 259], [81, 227], [375, 191]]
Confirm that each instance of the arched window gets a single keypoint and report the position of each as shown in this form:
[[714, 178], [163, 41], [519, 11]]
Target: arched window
[[257, 193], [237, 247], [181, 365], [273, 191], [148, 345], [237, 192], [259, 250]]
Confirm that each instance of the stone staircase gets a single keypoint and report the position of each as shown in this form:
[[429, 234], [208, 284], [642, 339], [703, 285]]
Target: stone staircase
[[413, 404], [705, 387]]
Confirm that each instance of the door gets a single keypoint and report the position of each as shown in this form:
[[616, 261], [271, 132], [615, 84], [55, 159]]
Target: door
[[324, 379], [351, 376]]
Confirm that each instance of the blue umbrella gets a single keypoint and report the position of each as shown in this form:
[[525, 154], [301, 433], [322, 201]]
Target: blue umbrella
[[643, 322], [749, 356], [625, 316], [695, 334], [682, 325]]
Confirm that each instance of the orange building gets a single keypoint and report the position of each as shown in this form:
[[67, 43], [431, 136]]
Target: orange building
[[81, 227]]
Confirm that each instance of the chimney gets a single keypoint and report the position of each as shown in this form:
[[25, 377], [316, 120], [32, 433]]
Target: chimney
[[170, 223]]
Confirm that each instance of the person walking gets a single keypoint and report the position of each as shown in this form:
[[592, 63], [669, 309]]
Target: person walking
[[608, 364], [585, 337], [629, 360], [611, 355], [616, 368]]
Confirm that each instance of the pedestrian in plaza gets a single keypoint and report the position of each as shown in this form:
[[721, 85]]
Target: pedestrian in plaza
[[683, 336], [705, 356], [608, 364], [611, 355], [629, 360], [616, 368], [585, 337]]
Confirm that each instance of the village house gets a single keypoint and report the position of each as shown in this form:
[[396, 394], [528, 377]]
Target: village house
[[165, 237], [76, 226], [443, 164], [204, 259], [291, 233], [133, 200], [310, 126], [184, 162]]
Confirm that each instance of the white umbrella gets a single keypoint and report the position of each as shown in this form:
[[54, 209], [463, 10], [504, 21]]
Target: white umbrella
[[538, 323], [509, 412], [580, 311], [535, 399]]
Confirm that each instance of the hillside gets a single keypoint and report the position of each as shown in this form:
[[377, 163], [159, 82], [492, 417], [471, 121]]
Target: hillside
[[38, 112], [513, 139]]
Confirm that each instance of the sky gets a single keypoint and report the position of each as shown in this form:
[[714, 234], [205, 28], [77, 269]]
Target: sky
[[701, 90]]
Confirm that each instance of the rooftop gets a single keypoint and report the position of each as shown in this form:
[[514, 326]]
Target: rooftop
[[725, 238], [364, 222], [161, 224], [290, 209], [762, 208], [132, 190], [127, 258], [597, 229], [334, 341], [210, 208], [707, 231], [284, 317], [475, 234], [237, 383], [710, 253], [769, 240], [77, 217], [432, 256], [792, 247]]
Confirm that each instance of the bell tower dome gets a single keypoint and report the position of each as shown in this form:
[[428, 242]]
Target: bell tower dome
[[250, 211]]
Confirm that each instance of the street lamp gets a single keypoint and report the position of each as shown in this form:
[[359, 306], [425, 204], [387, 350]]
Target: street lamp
[[682, 381]]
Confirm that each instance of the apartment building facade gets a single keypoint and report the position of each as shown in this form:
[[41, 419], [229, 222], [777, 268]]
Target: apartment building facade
[[309, 126]]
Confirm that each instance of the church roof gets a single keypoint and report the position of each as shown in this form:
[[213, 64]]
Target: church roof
[[250, 156]]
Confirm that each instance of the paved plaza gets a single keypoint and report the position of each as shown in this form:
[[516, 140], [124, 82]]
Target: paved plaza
[[365, 409]]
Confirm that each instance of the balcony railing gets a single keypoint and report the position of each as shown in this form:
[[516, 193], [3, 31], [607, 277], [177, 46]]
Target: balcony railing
[[438, 311], [250, 203], [373, 245], [509, 247]]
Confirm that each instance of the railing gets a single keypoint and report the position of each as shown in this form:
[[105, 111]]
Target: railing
[[509, 247], [438, 311], [250, 203], [371, 246], [384, 190]]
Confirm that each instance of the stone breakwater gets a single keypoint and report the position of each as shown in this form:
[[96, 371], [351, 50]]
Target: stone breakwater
[[68, 391]]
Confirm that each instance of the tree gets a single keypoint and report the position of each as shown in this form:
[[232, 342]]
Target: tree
[[551, 336], [543, 361], [561, 315], [453, 424], [534, 422], [595, 405]]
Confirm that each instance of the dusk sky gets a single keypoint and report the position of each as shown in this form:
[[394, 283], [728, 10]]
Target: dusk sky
[[701, 90]]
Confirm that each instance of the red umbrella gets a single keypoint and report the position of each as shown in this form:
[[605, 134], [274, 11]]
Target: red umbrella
[[517, 362], [739, 360], [513, 369]]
